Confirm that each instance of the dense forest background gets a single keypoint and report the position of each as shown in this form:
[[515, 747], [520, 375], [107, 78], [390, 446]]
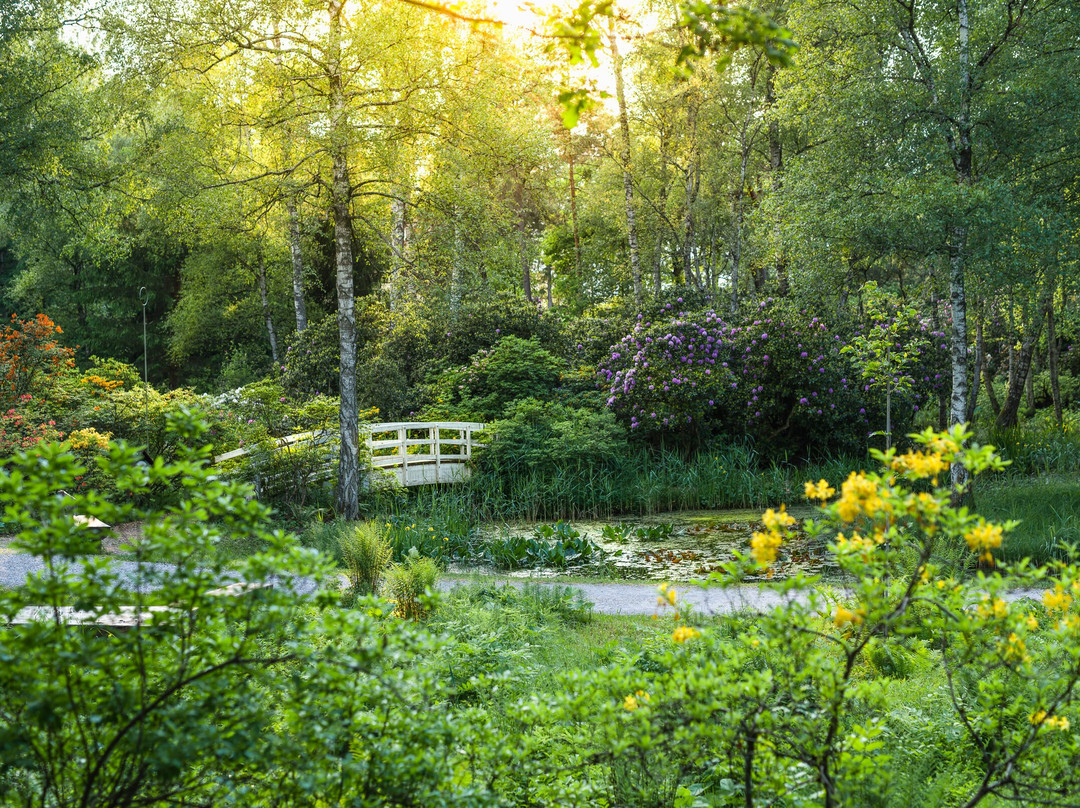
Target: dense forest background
[[285, 180]]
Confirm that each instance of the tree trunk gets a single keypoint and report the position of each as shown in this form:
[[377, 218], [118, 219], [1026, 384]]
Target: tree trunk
[[958, 243], [1029, 384], [297, 265], [264, 298], [1052, 360], [348, 486], [1011, 406], [661, 206], [973, 399], [991, 394], [397, 249], [692, 184], [624, 157], [958, 347], [776, 165], [573, 203], [740, 194], [526, 263], [457, 264]]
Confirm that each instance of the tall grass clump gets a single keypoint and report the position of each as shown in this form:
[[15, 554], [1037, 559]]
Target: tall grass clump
[[1047, 509], [1040, 446], [409, 583], [641, 482], [326, 538], [366, 552]]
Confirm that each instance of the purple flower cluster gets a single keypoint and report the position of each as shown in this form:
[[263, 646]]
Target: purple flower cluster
[[778, 376]]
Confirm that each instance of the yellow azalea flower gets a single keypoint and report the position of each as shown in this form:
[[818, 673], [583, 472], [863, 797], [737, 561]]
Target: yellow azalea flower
[[776, 520], [1032, 622], [992, 608], [667, 594], [1014, 649], [1057, 599], [819, 490], [630, 703], [684, 633], [764, 547], [944, 445], [983, 538], [844, 616], [1041, 717], [919, 465], [858, 494]]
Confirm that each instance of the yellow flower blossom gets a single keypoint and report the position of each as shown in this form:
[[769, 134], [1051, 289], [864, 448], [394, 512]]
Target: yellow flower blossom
[[668, 595], [764, 547], [684, 633], [1014, 649], [819, 490], [983, 538], [919, 465], [992, 608], [89, 438], [777, 520], [1032, 622], [944, 444], [1057, 599], [858, 494], [630, 703], [1041, 717], [844, 616]]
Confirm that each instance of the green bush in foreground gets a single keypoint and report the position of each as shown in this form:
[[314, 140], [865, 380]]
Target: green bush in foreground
[[799, 706], [906, 686], [254, 696]]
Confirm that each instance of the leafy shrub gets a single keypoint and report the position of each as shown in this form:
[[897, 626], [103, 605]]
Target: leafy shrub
[[31, 356], [206, 687], [292, 474], [237, 370], [545, 435], [313, 356], [410, 583], [776, 376], [483, 322], [141, 415], [366, 554], [513, 369]]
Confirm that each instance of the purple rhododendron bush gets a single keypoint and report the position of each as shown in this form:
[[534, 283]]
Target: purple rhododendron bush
[[777, 375]]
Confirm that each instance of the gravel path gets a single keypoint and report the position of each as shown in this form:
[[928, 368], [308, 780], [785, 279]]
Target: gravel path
[[15, 567], [640, 598], [607, 598]]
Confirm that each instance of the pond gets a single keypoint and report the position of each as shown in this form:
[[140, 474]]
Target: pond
[[678, 546]]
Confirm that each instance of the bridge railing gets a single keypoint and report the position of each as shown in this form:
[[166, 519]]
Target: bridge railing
[[423, 452], [417, 452]]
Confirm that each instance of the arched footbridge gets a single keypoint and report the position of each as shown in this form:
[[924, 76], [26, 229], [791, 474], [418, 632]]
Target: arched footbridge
[[416, 452]]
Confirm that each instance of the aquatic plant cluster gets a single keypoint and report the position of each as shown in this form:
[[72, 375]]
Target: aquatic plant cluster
[[778, 376]]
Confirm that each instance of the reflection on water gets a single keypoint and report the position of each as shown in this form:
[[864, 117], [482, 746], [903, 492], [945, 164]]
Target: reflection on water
[[643, 548]]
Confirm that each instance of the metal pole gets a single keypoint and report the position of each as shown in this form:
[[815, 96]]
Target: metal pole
[[144, 298]]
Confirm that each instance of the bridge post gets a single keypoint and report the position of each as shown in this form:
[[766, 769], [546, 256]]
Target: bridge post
[[436, 437], [403, 440]]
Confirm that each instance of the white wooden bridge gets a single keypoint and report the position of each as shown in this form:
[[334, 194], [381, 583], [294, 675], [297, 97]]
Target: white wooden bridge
[[423, 452], [416, 452]]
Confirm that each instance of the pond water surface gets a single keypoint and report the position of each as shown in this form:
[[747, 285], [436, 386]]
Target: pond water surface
[[697, 544]]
